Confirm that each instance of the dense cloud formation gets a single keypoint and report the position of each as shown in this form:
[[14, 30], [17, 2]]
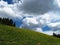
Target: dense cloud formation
[[36, 6]]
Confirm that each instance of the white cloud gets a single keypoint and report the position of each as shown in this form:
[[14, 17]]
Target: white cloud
[[54, 24], [8, 10], [3, 4], [30, 20], [57, 2], [39, 30], [31, 23], [48, 32], [34, 23], [5, 11]]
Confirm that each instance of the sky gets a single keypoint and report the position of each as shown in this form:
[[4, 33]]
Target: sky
[[39, 15]]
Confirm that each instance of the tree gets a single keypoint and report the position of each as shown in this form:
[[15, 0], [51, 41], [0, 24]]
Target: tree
[[14, 24], [7, 21], [56, 35]]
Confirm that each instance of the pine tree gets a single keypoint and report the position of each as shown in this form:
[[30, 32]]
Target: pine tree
[[7, 21]]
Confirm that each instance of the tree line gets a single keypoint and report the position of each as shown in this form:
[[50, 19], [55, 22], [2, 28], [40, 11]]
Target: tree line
[[7, 21], [56, 35]]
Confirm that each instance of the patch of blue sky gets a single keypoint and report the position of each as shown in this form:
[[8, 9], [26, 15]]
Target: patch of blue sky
[[9, 1], [46, 28]]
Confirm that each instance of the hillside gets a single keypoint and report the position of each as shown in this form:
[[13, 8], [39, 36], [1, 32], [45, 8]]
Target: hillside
[[15, 36]]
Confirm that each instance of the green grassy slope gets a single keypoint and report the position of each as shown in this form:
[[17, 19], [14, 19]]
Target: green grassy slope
[[14, 36]]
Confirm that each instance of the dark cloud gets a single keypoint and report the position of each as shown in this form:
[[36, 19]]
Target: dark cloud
[[36, 6]]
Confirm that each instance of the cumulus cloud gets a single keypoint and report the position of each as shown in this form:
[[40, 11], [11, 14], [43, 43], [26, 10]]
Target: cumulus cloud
[[30, 23], [55, 26], [35, 23], [8, 10], [5, 10]]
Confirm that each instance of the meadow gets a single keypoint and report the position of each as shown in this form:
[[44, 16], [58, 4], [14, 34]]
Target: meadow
[[10, 35]]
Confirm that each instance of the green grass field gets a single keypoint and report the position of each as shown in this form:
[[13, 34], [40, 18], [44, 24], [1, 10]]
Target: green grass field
[[15, 36]]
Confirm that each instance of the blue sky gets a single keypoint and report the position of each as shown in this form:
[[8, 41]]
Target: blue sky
[[9, 1], [38, 15]]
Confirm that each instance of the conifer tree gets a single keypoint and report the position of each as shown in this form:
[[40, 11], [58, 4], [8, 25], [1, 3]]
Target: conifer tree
[[7, 21]]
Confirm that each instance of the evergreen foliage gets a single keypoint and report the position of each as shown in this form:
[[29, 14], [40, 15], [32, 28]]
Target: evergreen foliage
[[56, 35], [7, 21]]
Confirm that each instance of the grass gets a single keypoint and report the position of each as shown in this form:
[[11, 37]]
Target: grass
[[15, 36]]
